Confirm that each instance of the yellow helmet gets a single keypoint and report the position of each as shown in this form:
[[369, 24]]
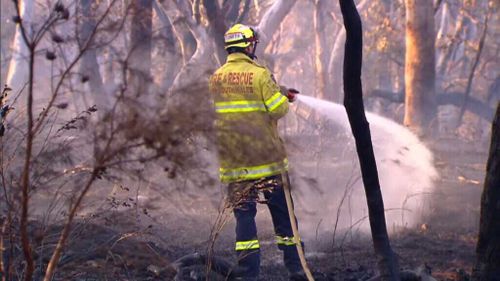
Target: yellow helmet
[[240, 36]]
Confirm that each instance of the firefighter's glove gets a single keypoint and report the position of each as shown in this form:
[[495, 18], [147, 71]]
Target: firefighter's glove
[[292, 94], [289, 93]]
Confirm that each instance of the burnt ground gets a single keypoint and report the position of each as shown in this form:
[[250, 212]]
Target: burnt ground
[[139, 244]]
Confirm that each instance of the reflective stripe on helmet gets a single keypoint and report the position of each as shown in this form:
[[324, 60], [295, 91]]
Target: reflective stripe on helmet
[[287, 241], [276, 100], [239, 106], [252, 173], [233, 37], [247, 245], [240, 36]]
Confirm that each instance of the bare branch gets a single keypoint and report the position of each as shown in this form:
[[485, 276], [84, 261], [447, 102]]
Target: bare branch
[[473, 70], [86, 45]]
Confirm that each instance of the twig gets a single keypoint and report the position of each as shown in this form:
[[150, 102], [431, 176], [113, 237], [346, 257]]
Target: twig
[[67, 226], [351, 182], [86, 45], [26, 170], [409, 196], [220, 222], [317, 229]]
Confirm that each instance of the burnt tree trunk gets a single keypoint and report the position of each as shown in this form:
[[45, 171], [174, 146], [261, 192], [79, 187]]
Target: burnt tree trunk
[[420, 73], [353, 102], [488, 245]]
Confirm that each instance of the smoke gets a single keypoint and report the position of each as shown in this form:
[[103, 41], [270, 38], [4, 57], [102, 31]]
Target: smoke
[[327, 182]]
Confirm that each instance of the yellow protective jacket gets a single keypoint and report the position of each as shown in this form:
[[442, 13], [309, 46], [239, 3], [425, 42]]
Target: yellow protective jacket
[[248, 104]]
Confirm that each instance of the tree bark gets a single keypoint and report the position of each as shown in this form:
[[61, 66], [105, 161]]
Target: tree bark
[[217, 28], [442, 41], [353, 102], [139, 62], [420, 102], [232, 11], [271, 21], [494, 90], [89, 67], [181, 27], [481, 109], [452, 42], [17, 74], [335, 61], [320, 55], [173, 58], [487, 265], [473, 70], [334, 65], [198, 67], [244, 13]]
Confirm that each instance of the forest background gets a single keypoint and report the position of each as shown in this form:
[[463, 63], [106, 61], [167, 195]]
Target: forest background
[[105, 111]]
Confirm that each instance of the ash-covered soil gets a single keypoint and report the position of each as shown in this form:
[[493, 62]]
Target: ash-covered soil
[[140, 242], [98, 252]]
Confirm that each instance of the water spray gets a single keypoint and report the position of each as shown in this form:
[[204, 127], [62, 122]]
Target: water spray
[[406, 171]]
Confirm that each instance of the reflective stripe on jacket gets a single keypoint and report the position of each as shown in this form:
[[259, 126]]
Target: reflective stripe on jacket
[[248, 103]]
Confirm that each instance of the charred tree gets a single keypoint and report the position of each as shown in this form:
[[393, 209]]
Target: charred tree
[[420, 73], [353, 102], [488, 245]]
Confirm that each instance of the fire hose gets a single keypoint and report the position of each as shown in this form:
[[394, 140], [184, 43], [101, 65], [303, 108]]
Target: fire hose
[[296, 236], [291, 95]]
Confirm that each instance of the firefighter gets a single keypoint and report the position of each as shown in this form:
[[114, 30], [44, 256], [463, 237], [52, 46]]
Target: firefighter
[[248, 103]]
